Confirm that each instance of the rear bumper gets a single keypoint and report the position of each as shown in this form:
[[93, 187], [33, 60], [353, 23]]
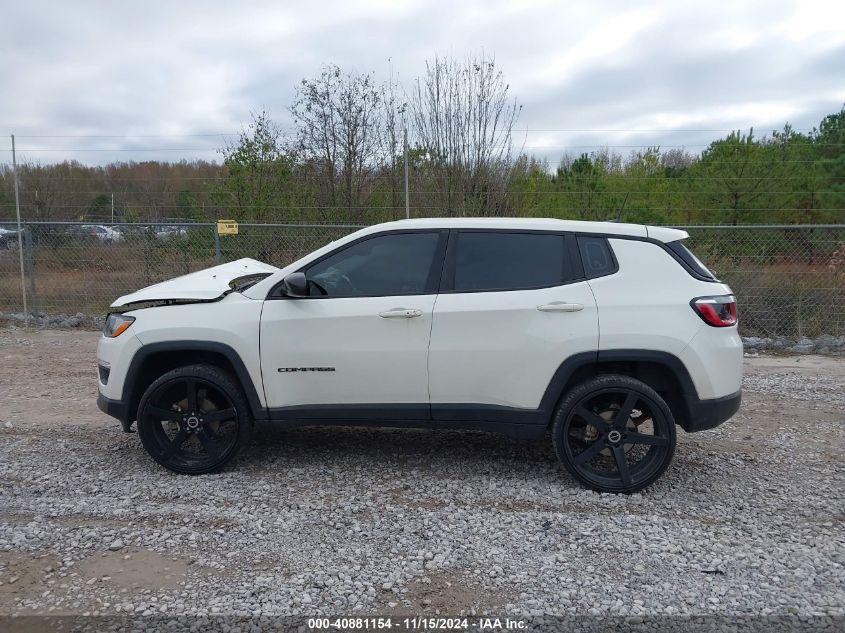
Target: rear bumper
[[708, 414], [116, 409]]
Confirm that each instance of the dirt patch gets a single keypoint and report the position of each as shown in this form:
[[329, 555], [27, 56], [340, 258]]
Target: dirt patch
[[24, 574], [447, 593], [136, 569], [48, 379]]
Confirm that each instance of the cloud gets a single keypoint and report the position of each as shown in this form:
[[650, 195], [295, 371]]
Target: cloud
[[615, 73]]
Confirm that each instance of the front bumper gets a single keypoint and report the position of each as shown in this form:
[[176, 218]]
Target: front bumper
[[116, 409], [708, 414]]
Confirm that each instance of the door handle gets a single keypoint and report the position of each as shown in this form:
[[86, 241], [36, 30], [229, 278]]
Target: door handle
[[560, 306], [400, 313]]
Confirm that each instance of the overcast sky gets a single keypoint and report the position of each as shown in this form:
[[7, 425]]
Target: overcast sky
[[594, 73]]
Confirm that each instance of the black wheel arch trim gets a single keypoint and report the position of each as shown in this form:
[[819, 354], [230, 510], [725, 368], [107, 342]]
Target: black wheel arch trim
[[131, 396], [688, 398], [651, 356]]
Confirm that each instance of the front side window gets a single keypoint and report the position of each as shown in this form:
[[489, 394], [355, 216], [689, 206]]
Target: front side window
[[394, 264], [508, 261]]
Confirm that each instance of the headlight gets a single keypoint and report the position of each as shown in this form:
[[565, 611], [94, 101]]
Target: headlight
[[116, 324]]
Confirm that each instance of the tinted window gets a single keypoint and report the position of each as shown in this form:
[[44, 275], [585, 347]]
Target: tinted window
[[596, 256], [508, 261], [395, 264], [692, 262]]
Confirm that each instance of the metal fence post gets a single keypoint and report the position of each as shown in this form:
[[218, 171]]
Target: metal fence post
[[216, 244], [149, 236], [29, 268], [20, 233]]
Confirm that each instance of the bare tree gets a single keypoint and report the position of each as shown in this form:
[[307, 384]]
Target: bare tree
[[392, 126], [463, 122], [337, 115], [676, 159]]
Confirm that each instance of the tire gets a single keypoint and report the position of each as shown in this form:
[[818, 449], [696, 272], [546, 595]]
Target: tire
[[589, 434], [194, 420]]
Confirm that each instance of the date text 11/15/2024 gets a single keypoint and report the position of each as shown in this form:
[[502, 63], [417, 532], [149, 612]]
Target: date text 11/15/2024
[[421, 623]]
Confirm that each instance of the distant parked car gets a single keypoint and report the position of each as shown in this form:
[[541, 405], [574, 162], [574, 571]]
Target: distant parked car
[[102, 233], [167, 232], [8, 238]]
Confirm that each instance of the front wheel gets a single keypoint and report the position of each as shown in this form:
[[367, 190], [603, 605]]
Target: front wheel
[[194, 420], [614, 434]]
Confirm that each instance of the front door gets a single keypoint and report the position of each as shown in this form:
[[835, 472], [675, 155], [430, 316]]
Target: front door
[[357, 346]]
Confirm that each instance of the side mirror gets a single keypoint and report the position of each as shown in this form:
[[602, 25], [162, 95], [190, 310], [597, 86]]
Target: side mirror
[[295, 285]]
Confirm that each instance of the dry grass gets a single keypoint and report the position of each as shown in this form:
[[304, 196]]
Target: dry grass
[[87, 281], [778, 296]]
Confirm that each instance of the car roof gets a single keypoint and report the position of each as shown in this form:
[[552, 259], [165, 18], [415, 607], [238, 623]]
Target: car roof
[[660, 233]]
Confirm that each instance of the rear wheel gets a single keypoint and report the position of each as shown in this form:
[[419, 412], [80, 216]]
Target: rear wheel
[[194, 420], [614, 434]]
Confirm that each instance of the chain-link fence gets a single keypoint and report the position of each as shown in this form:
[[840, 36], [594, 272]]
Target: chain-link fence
[[790, 280]]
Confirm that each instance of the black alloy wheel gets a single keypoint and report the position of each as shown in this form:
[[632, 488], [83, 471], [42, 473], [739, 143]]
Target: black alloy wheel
[[614, 434], [194, 420]]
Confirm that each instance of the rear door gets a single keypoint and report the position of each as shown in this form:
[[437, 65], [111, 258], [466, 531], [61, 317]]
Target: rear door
[[513, 306]]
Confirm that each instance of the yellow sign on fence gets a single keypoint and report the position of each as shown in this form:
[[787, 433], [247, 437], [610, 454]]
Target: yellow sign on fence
[[227, 227]]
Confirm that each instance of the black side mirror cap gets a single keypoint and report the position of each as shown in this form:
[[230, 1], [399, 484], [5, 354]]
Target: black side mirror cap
[[295, 285]]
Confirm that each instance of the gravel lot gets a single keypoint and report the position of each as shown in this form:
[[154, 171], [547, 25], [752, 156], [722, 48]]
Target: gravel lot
[[748, 520]]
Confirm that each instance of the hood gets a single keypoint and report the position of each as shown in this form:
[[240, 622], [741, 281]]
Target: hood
[[204, 285]]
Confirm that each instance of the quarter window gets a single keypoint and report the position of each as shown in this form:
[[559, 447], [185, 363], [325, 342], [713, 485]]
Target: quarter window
[[596, 255], [509, 261], [394, 264]]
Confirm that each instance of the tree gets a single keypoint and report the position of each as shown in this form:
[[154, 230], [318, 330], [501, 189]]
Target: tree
[[337, 116], [463, 120], [646, 188], [187, 205], [582, 182], [99, 206], [798, 179], [734, 178], [392, 130], [829, 144], [676, 161], [258, 171]]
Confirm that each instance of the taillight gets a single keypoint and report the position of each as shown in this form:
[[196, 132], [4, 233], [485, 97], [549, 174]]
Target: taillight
[[716, 311]]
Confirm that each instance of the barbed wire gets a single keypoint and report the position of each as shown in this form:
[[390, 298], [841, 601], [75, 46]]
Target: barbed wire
[[563, 147], [342, 208], [550, 192], [611, 169], [516, 130], [376, 177]]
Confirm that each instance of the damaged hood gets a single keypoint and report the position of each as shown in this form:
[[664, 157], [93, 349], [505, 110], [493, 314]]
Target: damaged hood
[[204, 285]]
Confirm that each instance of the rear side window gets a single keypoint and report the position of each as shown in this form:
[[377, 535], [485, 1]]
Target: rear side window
[[597, 257], [690, 261], [509, 261]]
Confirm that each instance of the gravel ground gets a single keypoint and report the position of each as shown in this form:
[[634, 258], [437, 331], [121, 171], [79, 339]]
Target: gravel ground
[[747, 521]]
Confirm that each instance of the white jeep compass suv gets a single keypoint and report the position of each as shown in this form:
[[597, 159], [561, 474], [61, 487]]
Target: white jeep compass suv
[[605, 334]]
